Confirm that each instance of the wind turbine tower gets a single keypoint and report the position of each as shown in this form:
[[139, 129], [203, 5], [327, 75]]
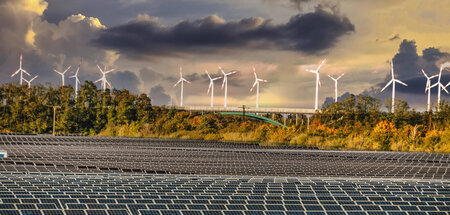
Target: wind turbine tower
[[257, 80], [225, 83], [211, 87], [103, 78], [77, 81], [440, 87], [393, 80], [428, 88], [316, 71], [29, 81], [182, 80], [21, 71], [62, 73], [335, 86]]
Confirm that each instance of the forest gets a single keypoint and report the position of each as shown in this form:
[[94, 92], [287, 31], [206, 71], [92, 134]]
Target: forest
[[355, 123]]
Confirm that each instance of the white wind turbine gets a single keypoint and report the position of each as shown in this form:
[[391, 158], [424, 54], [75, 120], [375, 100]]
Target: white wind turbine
[[316, 71], [62, 73], [225, 83], [182, 80], [103, 78], [428, 88], [393, 80], [21, 71], [440, 87], [77, 81], [257, 80], [29, 81], [335, 86], [211, 87]]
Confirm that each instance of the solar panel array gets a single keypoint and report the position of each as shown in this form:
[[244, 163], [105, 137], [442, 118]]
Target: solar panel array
[[39, 193], [96, 175], [138, 155]]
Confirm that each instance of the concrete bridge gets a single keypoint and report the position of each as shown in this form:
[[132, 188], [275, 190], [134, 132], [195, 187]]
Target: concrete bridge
[[247, 109], [285, 112]]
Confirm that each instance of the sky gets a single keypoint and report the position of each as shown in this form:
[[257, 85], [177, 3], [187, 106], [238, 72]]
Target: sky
[[146, 41]]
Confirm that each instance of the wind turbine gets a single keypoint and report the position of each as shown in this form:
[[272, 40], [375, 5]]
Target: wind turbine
[[257, 80], [335, 86], [440, 87], [225, 83], [103, 78], [62, 73], [77, 81], [182, 80], [393, 80], [316, 71], [21, 71], [29, 81], [211, 87], [428, 88]]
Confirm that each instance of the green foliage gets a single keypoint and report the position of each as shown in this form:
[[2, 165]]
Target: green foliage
[[356, 123]]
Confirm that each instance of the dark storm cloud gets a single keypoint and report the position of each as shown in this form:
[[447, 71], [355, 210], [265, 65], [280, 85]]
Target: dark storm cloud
[[330, 100], [159, 96], [408, 65], [124, 80], [395, 37], [310, 33]]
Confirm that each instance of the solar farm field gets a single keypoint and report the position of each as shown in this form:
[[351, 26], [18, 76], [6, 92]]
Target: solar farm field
[[96, 175]]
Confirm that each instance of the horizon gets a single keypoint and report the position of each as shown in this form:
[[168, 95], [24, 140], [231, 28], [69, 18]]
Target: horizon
[[148, 40]]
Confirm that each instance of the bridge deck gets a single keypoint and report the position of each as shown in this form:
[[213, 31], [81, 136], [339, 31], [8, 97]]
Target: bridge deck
[[248, 109]]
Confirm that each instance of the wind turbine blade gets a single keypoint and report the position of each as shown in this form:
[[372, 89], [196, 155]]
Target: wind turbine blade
[[254, 72], [208, 74], [340, 76], [386, 85], [232, 72], [434, 76], [209, 88], [264, 80], [398, 81], [99, 68], [26, 72], [98, 80], [443, 87], [181, 72], [15, 73], [179, 81], [321, 64], [67, 69], [425, 74], [216, 78], [224, 79], [427, 85], [311, 71], [78, 81], [57, 71], [186, 81], [434, 85], [331, 77], [111, 70], [220, 68], [108, 84], [320, 84], [34, 78], [254, 84], [392, 70]]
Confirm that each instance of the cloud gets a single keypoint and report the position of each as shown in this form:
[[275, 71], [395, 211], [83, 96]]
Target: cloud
[[408, 64], [395, 37], [330, 100], [124, 80], [159, 96], [311, 33]]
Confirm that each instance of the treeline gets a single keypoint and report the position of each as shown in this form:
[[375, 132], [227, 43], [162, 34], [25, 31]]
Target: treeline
[[355, 123]]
